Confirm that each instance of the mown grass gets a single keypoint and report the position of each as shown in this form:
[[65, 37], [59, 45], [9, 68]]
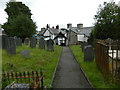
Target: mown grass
[[44, 59], [91, 70]]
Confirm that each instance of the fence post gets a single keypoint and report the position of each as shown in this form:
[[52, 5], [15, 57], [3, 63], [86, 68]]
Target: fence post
[[16, 77], [42, 85]]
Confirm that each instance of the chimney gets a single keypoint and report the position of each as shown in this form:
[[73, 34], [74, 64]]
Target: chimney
[[47, 26], [57, 27], [80, 25], [52, 27], [69, 25]]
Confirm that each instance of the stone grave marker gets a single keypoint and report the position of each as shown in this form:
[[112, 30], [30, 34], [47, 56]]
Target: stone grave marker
[[25, 53], [11, 47], [18, 41], [50, 45], [88, 53], [33, 42], [26, 41], [3, 40], [42, 43], [83, 45]]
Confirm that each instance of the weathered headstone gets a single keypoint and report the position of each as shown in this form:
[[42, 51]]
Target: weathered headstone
[[26, 41], [25, 53], [3, 41], [11, 47], [50, 45], [33, 42], [88, 53], [83, 45], [18, 41], [108, 41], [42, 43]]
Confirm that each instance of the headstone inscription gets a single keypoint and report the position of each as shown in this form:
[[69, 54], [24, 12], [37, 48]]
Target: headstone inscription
[[88, 53]]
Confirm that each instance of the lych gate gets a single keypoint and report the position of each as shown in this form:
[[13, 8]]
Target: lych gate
[[60, 39]]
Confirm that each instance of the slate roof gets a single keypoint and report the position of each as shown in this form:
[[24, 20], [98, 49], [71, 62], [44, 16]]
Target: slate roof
[[54, 31], [86, 31], [74, 29]]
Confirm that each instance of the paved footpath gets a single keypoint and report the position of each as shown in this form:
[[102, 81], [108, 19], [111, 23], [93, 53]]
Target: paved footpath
[[68, 73]]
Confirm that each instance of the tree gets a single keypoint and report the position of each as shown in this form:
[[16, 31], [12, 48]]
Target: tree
[[14, 9], [107, 20], [19, 21]]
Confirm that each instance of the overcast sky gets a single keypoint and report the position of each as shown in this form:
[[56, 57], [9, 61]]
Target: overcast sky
[[60, 12]]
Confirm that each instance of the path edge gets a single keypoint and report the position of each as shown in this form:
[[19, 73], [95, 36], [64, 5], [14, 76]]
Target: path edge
[[56, 68], [81, 69]]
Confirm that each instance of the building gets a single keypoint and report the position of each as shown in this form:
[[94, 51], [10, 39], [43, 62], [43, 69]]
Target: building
[[70, 36], [59, 36], [78, 34], [84, 34]]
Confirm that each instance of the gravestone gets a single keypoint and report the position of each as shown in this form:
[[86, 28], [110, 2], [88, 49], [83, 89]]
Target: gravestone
[[26, 41], [42, 43], [3, 40], [88, 53], [108, 41], [18, 41], [50, 45], [11, 47], [25, 53], [83, 44], [33, 42]]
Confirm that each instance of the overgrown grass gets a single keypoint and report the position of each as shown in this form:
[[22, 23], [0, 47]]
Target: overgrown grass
[[44, 59], [91, 70]]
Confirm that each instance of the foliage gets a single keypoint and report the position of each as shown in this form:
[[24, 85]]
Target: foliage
[[91, 71], [14, 9], [107, 22], [19, 21]]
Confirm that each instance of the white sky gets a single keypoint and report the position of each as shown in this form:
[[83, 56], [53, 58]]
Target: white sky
[[60, 12]]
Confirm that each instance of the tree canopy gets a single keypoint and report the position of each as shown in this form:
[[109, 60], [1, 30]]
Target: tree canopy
[[107, 22], [19, 21]]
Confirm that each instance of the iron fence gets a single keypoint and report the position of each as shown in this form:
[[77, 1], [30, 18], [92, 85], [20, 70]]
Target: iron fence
[[34, 78]]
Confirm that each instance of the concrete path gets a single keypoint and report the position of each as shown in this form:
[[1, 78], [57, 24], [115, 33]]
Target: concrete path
[[68, 73]]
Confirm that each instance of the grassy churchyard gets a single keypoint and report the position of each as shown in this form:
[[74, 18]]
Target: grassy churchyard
[[39, 58], [91, 70]]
